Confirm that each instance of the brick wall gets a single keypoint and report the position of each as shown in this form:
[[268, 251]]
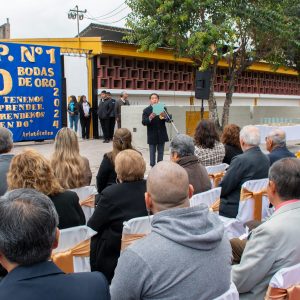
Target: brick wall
[[143, 74]]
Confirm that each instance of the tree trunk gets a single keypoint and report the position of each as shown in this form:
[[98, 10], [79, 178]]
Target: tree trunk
[[212, 103], [228, 99]]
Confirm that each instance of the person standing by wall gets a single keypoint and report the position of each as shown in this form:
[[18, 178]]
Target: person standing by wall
[[156, 130], [73, 110], [85, 116], [112, 115], [103, 114], [122, 101]]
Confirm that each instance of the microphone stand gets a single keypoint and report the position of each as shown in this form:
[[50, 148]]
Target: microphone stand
[[172, 122]]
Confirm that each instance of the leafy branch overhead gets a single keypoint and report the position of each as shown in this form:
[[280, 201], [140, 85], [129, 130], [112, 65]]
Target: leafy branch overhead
[[239, 31]]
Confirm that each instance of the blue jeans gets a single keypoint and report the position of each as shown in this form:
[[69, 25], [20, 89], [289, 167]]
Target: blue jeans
[[160, 153], [73, 122]]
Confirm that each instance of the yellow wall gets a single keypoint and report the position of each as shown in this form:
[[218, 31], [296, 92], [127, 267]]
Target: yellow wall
[[67, 45]]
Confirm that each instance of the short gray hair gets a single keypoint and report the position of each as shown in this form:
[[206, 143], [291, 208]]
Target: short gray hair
[[28, 226], [285, 173], [6, 141], [183, 145], [277, 136], [250, 135]]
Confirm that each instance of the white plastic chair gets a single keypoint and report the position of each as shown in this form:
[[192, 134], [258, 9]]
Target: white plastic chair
[[246, 207], [84, 193], [231, 294], [216, 173], [284, 279], [233, 227], [71, 237], [209, 197], [135, 229]]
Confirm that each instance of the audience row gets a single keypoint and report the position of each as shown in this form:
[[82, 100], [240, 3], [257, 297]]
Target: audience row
[[187, 251]]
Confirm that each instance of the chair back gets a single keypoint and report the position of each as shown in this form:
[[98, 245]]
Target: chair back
[[285, 284], [216, 173], [209, 197], [86, 195], [254, 204], [233, 227], [135, 229], [73, 251], [231, 294]]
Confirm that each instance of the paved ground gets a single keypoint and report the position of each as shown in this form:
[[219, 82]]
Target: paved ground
[[95, 149], [92, 149]]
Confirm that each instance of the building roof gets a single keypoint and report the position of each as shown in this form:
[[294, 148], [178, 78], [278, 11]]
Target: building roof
[[107, 33]]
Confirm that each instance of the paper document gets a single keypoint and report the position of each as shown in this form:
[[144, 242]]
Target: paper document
[[158, 108]]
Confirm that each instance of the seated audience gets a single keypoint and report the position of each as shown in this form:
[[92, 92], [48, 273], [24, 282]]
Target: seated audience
[[6, 145], [231, 140], [30, 169], [276, 145], [186, 256], [252, 164], [208, 148], [106, 175], [118, 203], [182, 152], [275, 243], [28, 233], [70, 168]]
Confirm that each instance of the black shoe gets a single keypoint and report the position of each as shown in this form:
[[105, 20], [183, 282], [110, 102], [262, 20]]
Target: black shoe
[[106, 141]]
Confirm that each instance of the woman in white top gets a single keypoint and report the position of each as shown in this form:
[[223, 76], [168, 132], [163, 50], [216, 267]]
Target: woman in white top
[[208, 148], [85, 116]]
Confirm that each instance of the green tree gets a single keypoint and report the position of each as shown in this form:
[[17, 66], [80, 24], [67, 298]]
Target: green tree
[[239, 31]]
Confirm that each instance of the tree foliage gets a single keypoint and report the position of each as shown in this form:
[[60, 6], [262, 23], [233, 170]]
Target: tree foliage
[[240, 31]]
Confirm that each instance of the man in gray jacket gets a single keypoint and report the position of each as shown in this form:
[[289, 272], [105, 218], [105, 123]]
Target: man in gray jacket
[[6, 145], [186, 256], [274, 244]]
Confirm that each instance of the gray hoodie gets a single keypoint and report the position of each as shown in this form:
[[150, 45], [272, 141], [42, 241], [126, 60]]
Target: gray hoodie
[[186, 256]]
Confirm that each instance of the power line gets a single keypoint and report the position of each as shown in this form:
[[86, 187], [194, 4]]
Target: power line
[[107, 22], [110, 11], [118, 12]]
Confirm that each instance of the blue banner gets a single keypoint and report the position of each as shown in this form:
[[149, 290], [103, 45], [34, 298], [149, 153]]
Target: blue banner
[[30, 91]]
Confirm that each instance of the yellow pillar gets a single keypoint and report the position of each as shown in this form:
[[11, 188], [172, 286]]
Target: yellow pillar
[[89, 61]]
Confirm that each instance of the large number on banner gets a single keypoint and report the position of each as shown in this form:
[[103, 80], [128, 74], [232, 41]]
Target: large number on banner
[[7, 82]]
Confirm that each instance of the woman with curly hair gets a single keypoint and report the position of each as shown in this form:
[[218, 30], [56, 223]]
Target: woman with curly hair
[[208, 148], [30, 169], [106, 174], [70, 168], [231, 140]]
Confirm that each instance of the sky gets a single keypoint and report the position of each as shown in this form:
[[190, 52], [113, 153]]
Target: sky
[[49, 18]]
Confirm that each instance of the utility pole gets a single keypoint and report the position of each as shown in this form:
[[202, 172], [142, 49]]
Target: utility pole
[[76, 13]]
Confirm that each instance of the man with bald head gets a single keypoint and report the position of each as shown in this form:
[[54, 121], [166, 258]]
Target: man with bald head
[[252, 164], [186, 253], [276, 145]]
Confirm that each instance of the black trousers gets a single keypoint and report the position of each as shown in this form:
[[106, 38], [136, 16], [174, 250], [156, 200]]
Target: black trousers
[[112, 122], [85, 127], [105, 128]]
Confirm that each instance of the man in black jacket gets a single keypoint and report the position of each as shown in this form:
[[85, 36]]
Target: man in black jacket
[[28, 234], [103, 114], [252, 164], [112, 115], [156, 130], [276, 145]]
